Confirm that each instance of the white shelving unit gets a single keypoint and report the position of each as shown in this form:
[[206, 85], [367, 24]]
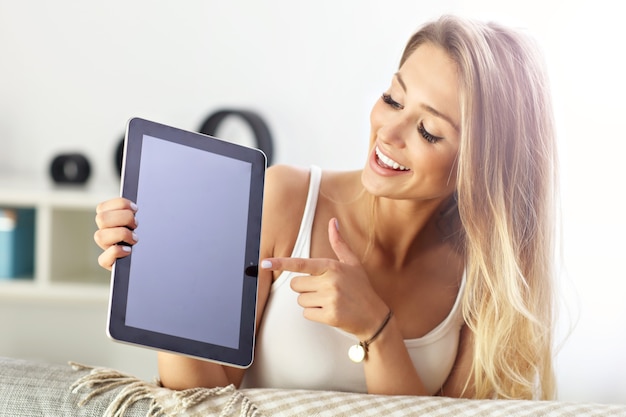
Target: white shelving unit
[[66, 255]]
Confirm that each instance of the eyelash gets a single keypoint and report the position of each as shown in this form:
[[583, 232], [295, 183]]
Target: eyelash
[[426, 135], [387, 99], [420, 127]]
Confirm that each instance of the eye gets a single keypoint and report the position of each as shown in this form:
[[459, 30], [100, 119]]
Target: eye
[[426, 135], [394, 104]]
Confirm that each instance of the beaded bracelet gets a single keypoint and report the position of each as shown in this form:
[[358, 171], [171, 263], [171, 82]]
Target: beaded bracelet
[[357, 353]]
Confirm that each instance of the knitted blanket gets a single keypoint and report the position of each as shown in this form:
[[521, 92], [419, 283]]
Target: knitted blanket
[[32, 389]]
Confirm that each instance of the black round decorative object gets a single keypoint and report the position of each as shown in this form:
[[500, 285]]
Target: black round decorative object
[[71, 168], [261, 132], [119, 156]]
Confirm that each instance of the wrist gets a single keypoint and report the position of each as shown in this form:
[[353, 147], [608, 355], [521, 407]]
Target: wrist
[[358, 352]]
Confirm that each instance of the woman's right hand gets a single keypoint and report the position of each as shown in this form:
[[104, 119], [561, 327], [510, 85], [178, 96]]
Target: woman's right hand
[[116, 223]]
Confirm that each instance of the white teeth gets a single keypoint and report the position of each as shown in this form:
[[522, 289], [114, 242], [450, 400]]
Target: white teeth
[[390, 163]]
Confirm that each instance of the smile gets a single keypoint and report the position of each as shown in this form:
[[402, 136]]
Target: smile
[[386, 162]]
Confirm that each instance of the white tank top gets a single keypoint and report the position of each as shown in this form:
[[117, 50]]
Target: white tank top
[[295, 353]]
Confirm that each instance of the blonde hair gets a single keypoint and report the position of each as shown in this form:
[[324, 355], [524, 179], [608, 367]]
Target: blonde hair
[[506, 186]]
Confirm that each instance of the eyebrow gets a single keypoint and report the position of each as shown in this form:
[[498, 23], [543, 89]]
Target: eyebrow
[[426, 107]]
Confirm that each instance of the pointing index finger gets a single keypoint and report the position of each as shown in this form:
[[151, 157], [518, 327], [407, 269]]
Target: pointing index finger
[[299, 265]]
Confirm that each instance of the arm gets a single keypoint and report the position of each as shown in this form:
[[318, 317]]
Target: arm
[[389, 369]]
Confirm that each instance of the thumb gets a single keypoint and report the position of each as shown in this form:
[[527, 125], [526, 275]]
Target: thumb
[[342, 250]]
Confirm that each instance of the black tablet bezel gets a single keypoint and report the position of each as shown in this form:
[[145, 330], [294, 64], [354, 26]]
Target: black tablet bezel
[[117, 329]]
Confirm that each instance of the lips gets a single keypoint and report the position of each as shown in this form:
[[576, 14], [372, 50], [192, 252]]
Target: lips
[[386, 162]]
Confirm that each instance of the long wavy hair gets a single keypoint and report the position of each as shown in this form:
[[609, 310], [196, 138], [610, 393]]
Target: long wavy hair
[[506, 188]]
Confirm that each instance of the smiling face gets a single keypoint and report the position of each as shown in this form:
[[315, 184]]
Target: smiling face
[[415, 130]]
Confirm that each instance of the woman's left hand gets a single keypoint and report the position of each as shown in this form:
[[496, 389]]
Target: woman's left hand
[[336, 292]]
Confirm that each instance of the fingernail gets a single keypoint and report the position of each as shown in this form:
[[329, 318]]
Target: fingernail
[[337, 224], [135, 238], [266, 264], [125, 248], [133, 206]]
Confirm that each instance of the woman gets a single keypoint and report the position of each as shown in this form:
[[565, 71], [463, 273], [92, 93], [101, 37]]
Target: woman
[[433, 264]]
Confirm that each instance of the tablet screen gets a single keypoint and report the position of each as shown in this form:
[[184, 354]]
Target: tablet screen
[[187, 286]]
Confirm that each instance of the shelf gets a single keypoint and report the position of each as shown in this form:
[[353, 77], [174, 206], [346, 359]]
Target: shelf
[[33, 291], [24, 191], [65, 254]]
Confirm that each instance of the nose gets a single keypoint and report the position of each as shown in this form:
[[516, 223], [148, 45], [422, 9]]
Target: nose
[[395, 130]]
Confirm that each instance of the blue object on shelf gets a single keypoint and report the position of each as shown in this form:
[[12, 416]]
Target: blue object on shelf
[[17, 243]]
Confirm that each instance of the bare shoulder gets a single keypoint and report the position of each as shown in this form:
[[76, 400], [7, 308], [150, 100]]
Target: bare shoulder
[[285, 178], [286, 189]]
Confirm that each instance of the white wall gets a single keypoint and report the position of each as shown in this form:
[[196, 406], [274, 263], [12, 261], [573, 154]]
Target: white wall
[[72, 72]]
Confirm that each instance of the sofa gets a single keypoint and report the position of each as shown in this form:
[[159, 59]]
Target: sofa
[[30, 388]]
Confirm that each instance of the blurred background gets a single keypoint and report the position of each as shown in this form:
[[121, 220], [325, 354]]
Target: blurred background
[[73, 72]]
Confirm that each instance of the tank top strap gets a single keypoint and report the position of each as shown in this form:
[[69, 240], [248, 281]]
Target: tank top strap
[[302, 247]]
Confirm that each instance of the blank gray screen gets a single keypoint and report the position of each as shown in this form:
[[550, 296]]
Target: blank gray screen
[[187, 269]]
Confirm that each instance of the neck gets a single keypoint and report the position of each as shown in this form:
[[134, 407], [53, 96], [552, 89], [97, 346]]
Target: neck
[[399, 230]]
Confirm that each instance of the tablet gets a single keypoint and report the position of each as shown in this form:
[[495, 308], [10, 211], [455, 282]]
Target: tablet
[[189, 285]]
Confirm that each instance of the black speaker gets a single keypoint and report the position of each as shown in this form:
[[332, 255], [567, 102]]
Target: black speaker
[[71, 168]]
